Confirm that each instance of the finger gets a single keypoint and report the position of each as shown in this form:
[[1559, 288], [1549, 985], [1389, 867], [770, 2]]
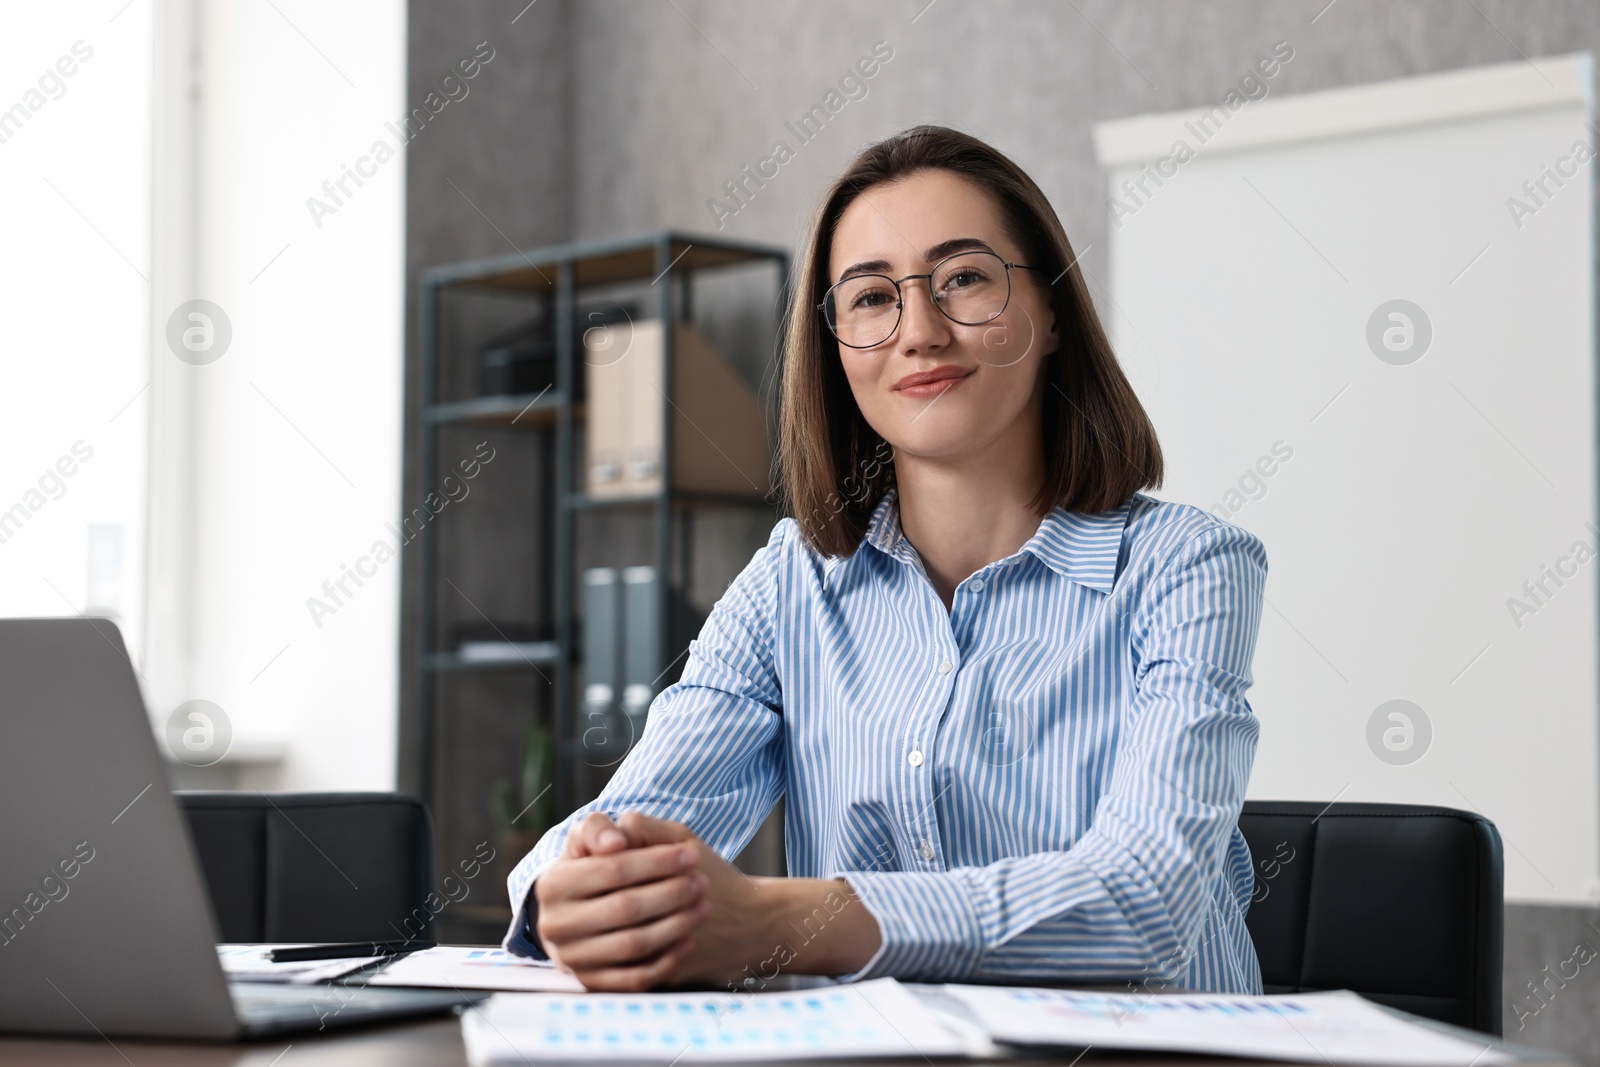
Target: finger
[[590, 876], [596, 835], [643, 829], [578, 838], [575, 920], [635, 944], [601, 836], [583, 877], [638, 978]]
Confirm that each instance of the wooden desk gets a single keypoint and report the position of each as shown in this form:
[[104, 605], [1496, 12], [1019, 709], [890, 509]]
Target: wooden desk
[[433, 1042]]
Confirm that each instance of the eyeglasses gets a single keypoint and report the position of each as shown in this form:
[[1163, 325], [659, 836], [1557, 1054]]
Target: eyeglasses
[[970, 288]]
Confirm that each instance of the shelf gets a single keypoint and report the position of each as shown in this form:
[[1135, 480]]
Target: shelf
[[681, 498], [666, 268], [531, 655], [529, 409], [600, 262]]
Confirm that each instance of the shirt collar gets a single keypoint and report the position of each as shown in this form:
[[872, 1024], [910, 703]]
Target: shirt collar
[[1079, 547]]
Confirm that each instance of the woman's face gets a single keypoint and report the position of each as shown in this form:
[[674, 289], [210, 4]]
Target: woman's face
[[906, 227]]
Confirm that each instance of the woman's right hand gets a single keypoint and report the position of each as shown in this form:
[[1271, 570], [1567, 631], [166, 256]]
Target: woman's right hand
[[619, 917]]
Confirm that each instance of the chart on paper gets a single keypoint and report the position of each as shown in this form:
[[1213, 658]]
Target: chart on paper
[[878, 1018]]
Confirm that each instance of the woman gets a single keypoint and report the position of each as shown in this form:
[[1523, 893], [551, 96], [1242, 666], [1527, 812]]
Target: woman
[[1001, 689]]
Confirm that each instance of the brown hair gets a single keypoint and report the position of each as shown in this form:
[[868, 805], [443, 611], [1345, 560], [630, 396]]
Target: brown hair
[[1099, 445]]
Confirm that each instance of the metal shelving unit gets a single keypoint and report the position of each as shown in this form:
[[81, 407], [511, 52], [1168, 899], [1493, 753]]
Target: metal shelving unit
[[669, 261]]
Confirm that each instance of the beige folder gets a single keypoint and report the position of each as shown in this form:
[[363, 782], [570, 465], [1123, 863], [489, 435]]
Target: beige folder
[[719, 432]]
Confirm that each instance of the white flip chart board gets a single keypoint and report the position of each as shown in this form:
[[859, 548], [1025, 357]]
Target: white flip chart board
[[1363, 322]]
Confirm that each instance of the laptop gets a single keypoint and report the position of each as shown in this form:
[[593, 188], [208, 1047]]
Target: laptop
[[106, 926]]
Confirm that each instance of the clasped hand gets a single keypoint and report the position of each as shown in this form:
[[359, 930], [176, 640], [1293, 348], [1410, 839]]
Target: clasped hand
[[644, 902]]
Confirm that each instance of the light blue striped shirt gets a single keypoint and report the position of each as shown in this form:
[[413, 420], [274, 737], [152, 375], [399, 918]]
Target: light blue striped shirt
[[1043, 782]]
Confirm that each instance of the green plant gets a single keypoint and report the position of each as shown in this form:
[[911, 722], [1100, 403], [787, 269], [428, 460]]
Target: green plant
[[532, 812]]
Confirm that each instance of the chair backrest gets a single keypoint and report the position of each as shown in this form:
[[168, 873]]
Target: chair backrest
[[315, 866], [1401, 903]]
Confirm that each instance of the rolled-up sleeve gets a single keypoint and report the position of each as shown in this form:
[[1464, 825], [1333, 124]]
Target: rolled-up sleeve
[[1132, 894], [710, 755]]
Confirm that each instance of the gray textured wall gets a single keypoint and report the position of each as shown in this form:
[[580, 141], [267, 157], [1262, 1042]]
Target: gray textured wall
[[608, 117]]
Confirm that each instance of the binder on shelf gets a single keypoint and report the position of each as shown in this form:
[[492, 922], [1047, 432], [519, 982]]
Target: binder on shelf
[[602, 654], [623, 666], [719, 433], [641, 639]]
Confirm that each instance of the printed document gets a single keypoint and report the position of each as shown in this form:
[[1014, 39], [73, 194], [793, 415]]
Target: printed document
[[873, 1018], [1335, 1027]]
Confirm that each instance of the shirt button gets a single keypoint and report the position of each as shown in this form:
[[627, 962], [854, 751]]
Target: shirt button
[[976, 585], [946, 667], [915, 759], [927, 850]]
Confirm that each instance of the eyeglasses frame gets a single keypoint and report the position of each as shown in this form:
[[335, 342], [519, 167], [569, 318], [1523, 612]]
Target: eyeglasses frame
[[900, 296]]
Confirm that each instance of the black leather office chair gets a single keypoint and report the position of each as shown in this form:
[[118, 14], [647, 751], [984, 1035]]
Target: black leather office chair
[[1400, 903], [315, 866]]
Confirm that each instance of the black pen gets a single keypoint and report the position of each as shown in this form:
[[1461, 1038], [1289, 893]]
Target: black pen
[[345, 950]]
